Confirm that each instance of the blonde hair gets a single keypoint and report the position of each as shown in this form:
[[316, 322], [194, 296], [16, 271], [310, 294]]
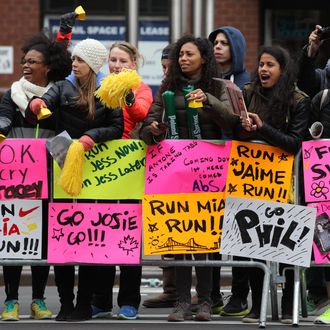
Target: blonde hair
[[85, 99], [131, 50]]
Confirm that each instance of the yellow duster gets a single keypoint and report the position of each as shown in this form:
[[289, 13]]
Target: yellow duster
[[72, 173], [115, 87]]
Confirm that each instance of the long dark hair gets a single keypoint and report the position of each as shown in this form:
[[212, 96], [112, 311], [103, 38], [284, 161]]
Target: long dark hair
[[173, 80], [281, 95], [55, 55]]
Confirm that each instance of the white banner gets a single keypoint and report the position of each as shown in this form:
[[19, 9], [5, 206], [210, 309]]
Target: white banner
[[267, 230], [21, 229]]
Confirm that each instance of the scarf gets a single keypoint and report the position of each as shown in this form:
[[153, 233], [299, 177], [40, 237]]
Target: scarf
[[22, 91]]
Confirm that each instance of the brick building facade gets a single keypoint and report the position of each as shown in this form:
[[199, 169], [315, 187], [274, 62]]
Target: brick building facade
[[259, 20]]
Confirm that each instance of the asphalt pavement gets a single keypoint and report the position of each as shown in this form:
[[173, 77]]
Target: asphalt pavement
[[149, 318]]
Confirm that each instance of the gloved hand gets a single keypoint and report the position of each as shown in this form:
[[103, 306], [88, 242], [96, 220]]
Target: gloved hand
[[87, 142], [130, 99], [36, 105], [67, 21]]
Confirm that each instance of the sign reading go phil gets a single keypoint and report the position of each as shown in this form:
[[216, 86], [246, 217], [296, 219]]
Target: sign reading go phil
[[23, 169]]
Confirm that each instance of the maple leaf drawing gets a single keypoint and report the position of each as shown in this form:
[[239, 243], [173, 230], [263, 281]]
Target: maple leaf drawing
[[128, 244]]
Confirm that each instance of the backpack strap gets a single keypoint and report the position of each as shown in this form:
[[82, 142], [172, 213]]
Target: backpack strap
[[323, 97]]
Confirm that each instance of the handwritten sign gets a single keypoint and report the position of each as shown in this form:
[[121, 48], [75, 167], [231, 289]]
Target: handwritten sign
[[186, 166], [259, 171], [182, 223], [94, 233], [23, 169], [112, 170], [20, 230], [268, 231], [316, 160], [321, 243]]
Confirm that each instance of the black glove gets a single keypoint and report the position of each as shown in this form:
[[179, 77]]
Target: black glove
[[129, 99], [67, 21]]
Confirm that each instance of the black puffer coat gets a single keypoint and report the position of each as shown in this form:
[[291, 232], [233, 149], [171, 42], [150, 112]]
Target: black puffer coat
[[214, 117], [291, 134], [108, 124], [14, 125]]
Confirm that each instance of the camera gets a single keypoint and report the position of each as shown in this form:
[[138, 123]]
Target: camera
[[324, 33]]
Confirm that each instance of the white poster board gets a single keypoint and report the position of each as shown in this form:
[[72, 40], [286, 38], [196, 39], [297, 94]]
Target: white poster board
[[6, 59], [21, 229], [268, 231]]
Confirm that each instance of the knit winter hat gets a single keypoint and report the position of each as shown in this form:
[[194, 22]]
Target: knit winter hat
[[92, 52]]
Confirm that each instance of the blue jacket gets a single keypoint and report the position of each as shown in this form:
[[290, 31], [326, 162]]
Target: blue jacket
[[238, 50]]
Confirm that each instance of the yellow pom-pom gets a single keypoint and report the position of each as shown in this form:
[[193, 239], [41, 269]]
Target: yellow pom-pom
[[72, 173], [115, 87]]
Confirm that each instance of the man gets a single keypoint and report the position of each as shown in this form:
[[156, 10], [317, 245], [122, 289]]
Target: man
[[310, 79], [230, 50]]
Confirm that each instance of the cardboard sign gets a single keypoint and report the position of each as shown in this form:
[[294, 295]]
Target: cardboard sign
[[269, 231], [94, 233], [112, 170], [321, 243], [23, 169], [316, 160], [20, 230], [186, 166], [259, 171], [182, 223]]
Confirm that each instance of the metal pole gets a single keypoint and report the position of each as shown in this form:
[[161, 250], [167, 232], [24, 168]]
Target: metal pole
[[133, 24], [175, 20], [209, 14], [197, 18], [184, 16]]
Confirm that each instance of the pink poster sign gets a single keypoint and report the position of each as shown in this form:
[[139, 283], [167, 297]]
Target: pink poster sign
[[186, 166], [94, 233], [23, 169], [316, 161], [321, 243]]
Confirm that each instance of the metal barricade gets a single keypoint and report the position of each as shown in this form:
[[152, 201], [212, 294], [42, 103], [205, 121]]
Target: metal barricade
[[299, 272], [270, 270]]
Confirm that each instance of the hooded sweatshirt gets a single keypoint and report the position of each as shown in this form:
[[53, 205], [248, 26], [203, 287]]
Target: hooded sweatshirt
[[238, 50]]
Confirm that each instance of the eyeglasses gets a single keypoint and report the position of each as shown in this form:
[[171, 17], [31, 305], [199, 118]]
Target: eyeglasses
[[30, 61]]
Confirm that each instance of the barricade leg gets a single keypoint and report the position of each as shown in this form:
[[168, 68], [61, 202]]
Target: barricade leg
[[264, 299], [295, 310], [303, 292], [273, 291]]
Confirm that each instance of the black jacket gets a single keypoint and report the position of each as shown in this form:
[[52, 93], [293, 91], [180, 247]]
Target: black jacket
[[108, 124], [321, 115], [311, 80], [288, 137], [14, 125]]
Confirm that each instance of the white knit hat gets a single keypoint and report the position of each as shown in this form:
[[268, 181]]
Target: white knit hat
[[92, 52]]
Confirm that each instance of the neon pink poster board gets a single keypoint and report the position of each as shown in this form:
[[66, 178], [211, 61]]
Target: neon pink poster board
[[316, 160], [186, 166], [94, 233], [323, 210], [23, 169]]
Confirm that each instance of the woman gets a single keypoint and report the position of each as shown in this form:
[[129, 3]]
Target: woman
[[124, 56], [278, 114], [82, 115], [43, 63], [192, 63]]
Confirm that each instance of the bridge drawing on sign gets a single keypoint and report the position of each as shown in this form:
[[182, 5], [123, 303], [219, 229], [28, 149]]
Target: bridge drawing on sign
[[190, 245]]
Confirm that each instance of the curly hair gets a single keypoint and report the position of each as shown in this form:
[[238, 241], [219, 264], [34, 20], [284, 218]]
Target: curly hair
[[55, 54], [173, 80], [281, 96]]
